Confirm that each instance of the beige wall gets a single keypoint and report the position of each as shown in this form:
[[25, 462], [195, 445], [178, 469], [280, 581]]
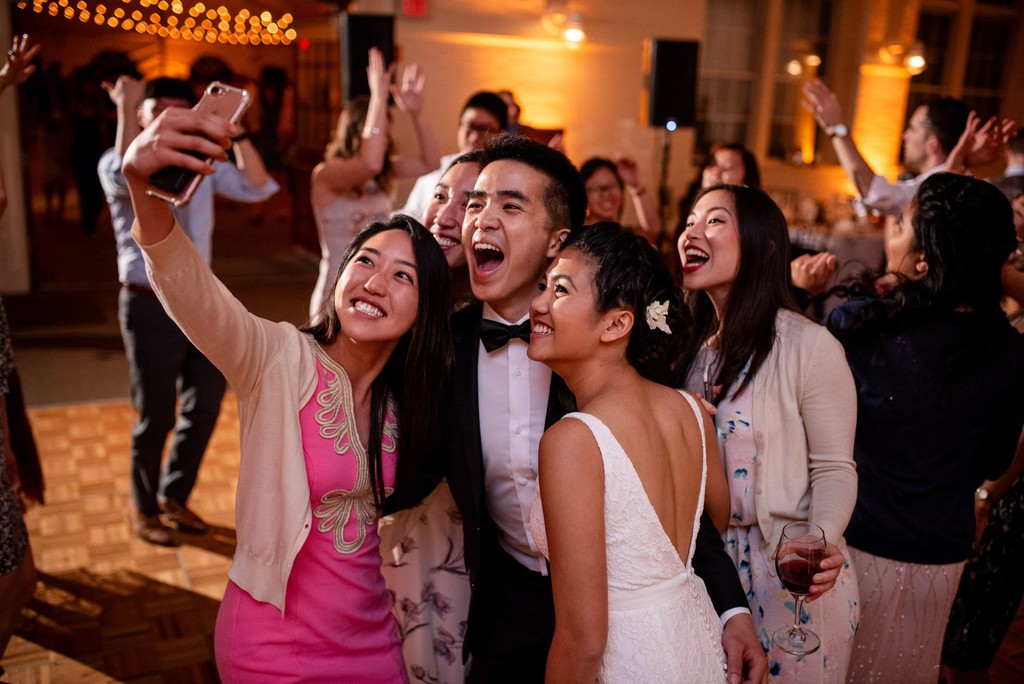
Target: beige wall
[[593, 92]]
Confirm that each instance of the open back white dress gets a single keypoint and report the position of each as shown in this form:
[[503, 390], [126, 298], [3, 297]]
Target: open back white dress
[[661, 624]]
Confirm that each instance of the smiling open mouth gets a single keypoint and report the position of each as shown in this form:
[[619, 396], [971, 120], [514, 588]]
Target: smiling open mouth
[[446, 242], [368, 309], [488, 257], [695, 258]]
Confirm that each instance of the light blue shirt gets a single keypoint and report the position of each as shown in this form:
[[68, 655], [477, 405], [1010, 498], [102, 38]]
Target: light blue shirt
[[196, 218]]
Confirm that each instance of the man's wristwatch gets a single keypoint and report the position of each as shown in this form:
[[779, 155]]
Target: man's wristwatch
[[839, 131]]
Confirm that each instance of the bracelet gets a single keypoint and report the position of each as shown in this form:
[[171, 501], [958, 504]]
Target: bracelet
[[244, 135], [369, 131]]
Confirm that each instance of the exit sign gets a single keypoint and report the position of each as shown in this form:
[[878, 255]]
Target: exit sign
[[414, 8]]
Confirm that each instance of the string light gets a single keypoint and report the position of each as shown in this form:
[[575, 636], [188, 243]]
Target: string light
[[245, 27]]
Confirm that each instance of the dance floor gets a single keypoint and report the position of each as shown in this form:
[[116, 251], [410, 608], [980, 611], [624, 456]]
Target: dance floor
[[111, 608]]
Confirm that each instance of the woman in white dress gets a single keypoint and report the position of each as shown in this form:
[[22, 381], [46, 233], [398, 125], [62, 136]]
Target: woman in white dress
[[623, 481], [351, 186]]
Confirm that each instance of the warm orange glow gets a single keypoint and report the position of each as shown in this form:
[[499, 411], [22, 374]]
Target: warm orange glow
[[266, 17], [211, 37], [69, 12], [254, 21], [210, 14], [101, 9], [272, 28], [174, 33], [140, 27], [207, 24], [112, 22], [84, 16], [163, 5], [290, 35], [172, 21], [154, 18], [119, 13], [878, 121], [22, 5], [243, 39], [127, 24], [224, 26], [190, 22]]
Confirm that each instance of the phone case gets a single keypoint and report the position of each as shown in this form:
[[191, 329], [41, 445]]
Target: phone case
[[177, 185]]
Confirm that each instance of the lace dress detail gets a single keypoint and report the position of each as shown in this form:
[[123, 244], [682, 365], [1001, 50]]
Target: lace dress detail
[[662, 626]]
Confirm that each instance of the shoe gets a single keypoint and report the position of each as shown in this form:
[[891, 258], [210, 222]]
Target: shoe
[[184, 519], [148, 528]]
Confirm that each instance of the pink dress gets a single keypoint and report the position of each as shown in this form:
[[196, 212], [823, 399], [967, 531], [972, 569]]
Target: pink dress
[[337, 625]]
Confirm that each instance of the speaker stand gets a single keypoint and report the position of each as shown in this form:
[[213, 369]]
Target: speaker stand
[[663, 189]]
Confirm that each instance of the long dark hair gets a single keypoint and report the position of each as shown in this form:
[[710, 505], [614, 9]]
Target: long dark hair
[[632, 275], [414, 375], [964, 229], [348, 138], [762, 287]]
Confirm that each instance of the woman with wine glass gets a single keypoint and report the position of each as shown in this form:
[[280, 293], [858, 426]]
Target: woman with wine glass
[[938, 371], [785, 417]]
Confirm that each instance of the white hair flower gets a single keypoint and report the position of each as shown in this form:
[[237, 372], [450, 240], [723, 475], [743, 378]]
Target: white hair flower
[[657, 316]]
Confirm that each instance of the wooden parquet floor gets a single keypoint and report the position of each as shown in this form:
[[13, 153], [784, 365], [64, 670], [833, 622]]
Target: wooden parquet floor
[[110, 607]]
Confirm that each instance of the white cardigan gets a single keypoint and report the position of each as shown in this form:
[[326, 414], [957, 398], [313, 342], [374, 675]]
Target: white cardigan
[[272, 370], [804, 421]]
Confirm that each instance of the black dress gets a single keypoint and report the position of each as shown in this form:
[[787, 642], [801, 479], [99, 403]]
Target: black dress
[[13, 535]]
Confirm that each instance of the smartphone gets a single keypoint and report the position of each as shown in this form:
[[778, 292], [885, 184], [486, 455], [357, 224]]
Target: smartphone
[[177, 185]]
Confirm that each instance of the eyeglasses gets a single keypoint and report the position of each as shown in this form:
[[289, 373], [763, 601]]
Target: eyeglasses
[[479, 129], [601, 189]]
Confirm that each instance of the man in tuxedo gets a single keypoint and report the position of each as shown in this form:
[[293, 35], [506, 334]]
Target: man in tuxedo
[[526, 201]]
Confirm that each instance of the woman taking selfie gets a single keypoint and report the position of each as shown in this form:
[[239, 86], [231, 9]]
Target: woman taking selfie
[[327, 432]]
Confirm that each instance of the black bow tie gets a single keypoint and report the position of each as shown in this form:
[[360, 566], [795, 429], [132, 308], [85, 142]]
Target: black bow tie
[[496, 335]]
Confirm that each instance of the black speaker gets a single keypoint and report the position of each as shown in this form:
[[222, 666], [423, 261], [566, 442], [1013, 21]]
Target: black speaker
[[670, 82], [359, 33]]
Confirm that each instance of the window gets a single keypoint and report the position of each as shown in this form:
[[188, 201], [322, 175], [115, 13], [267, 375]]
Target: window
[[973, 67], [736, 51]]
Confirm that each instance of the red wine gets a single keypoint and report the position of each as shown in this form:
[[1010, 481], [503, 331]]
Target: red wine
[[797, 573]]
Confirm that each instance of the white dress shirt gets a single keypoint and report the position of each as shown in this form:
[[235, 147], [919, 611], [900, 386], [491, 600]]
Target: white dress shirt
[[892, 198], [513, 399]]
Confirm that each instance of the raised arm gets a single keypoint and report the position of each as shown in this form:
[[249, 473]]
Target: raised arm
[[410, 100], [126, 94], [15, 71], [824, 104], [572, 491], [646, 213], [341, 175]]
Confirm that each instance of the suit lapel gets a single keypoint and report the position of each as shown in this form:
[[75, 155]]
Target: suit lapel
[[466, 334], [560, 401]]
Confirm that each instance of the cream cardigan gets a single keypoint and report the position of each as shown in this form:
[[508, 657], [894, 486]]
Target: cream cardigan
[[804, 420], [272, 370]]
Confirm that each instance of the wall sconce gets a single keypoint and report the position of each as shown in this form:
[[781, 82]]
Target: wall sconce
[[802, 63], [897, 54], [559, 21], [915, 61]]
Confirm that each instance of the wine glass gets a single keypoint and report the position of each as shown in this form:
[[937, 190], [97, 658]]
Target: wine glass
[[797, 560]]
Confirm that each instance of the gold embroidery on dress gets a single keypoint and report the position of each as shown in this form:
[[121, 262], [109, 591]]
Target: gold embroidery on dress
[[337, 425]]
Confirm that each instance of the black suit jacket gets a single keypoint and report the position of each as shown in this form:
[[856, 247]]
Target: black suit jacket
[[464, 468]]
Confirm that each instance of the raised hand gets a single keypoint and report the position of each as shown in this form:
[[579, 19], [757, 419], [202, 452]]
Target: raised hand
[[409, 97], [125, 92], [819, 100], [167, 141], [628, 171], [990, 141], [18, 66], [377, 75]]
